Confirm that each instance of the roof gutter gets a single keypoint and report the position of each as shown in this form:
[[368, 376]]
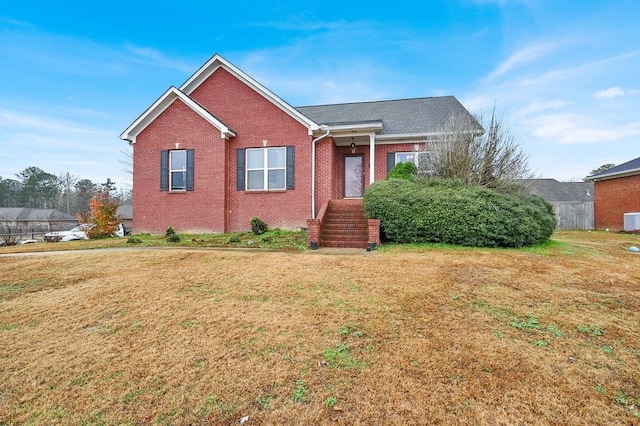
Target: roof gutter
[[313, 169], [614, 175]]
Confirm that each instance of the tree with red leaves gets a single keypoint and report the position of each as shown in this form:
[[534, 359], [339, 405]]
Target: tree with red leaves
[[103, 215]]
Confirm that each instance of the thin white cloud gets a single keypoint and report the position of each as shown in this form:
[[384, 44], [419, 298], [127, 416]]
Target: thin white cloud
[[38, 123], [301, 22], [14, 22], [537, 107], [155, 57], [501, 3], [577, 128], [480, 33], [524, 56], [611, 92]]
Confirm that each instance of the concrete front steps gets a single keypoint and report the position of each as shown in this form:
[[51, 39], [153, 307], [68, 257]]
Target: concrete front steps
[[345, 225]]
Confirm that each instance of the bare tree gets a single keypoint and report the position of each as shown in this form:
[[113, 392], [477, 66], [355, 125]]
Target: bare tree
[[493, 158], [66, 182], [127, 165], [9, 232]]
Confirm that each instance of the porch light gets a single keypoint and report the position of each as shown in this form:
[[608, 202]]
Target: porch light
[[353, 146]]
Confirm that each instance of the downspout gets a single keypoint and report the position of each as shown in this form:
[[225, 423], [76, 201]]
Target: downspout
[[313, 171]]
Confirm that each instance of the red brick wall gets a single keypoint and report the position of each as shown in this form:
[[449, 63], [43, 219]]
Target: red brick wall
[[215, 205], [613, 198], [330, 167], [198, 210], [325, 172]]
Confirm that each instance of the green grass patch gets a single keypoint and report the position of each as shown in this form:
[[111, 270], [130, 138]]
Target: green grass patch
[[299, 393], [9, 289], [277, 239], [130, 396], [593, 330], [340, 357]]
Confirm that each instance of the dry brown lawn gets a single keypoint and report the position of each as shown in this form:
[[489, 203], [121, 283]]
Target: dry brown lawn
[[400, 336]]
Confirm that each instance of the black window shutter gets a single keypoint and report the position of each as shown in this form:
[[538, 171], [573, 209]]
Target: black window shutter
[[291, 167], [391, 161], [164, 170], [240, 169], [190, 156]]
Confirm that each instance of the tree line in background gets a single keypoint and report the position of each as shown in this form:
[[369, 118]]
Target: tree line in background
[[35, 188]]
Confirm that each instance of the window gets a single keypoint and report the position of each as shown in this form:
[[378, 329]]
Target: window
[[420, 158], [176, 170], [264, 169]]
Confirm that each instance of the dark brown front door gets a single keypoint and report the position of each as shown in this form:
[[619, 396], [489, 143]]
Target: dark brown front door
[[353, 176]]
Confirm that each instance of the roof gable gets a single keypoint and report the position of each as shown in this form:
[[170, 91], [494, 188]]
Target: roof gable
[[160, 105], [629, 168], [218, 61]]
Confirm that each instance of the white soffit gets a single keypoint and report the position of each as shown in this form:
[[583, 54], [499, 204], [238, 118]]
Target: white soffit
[[160, 105]]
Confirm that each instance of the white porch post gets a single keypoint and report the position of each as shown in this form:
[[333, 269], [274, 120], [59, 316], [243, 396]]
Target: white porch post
[[372, 158]]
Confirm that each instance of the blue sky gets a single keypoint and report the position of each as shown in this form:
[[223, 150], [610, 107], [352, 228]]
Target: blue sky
[[564, 74]]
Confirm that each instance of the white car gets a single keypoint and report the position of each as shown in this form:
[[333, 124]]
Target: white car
[[78, 233]]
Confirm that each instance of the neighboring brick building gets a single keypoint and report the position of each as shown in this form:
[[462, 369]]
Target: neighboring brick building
[[616, 192], [222, 148]]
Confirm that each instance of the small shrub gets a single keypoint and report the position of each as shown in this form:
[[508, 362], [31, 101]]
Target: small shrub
[[234, 239], [8, 234], [169, 232], [173, 238], [406, 171], [258, 226], [134, 240]]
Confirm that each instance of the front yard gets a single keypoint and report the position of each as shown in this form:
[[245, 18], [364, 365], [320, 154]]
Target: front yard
[[405, 335]]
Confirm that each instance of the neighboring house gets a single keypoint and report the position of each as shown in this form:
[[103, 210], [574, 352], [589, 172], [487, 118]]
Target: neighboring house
[[572, 201], [33, 223], [617, 191], [125, 213], [222, 148]]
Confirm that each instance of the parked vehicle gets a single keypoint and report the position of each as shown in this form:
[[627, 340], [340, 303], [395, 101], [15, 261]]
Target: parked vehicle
[[78, 233]]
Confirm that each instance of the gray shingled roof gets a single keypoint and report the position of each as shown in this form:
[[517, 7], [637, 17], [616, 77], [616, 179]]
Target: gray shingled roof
[[619, 169], [402, 116], [554, 191], [126, 211], [27, 214]]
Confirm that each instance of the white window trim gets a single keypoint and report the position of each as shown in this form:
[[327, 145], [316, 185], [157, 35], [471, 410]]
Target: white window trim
[[172, 170], [415, 161], [265, 169], [414, 153]]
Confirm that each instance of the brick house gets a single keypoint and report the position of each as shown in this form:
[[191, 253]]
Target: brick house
[[222, 148], [616, 192]]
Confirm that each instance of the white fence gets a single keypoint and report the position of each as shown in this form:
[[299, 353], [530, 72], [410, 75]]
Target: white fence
[[28, 230]]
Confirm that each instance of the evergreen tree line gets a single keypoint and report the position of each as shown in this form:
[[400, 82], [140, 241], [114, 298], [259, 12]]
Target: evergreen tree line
[[35, 188]]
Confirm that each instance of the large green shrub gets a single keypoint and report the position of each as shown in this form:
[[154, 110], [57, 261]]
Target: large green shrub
[[445, 211]]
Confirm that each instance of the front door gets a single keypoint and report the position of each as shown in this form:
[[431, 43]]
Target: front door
[[353, 176]]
